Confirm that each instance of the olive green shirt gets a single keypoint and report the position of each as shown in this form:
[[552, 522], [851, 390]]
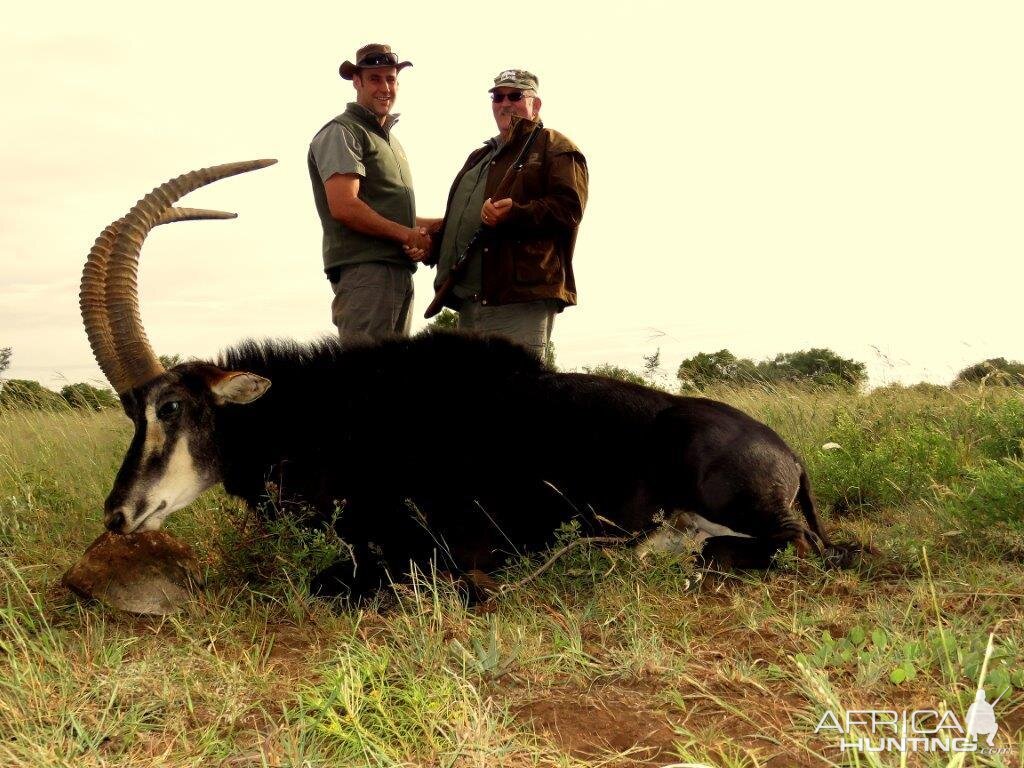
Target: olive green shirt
[[356, 142], [463, 222]]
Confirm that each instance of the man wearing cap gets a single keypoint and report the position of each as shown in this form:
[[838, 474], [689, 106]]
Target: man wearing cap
[[363, 192], [520, 273]]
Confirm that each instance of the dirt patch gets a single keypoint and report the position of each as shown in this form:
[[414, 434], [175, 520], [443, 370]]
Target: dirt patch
[[601, 721], [290, 646], [654, 722]]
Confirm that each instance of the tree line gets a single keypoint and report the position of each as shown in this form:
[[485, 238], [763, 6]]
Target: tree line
[[25, 393], [819, 367]]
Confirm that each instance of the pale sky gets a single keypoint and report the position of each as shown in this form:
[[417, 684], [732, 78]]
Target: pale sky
[[765, 176]]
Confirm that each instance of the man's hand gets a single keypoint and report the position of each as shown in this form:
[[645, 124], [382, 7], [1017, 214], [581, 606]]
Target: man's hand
[[417, 244], [433, 226], [492, 214]]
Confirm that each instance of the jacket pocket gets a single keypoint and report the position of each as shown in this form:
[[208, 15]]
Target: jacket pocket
[[537, 263]]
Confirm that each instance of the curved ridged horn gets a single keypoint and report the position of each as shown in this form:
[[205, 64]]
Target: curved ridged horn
[[92, 296], [93, 302], [171, 215], [113, 269]]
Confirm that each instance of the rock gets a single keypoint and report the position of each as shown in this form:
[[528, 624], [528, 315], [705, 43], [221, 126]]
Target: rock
[[149, 572]]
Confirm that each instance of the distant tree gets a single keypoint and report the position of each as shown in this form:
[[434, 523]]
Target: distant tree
[[86, 396], [615, 372], [446, 320], [652, 364], [995, 370], [169, 361], [5, 363], [705, 368], [23, 393], [817, 366]]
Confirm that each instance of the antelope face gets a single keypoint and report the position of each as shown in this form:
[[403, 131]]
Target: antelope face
[[173, 455]]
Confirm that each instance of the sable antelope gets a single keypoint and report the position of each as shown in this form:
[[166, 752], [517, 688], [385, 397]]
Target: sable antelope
[[456, 446]]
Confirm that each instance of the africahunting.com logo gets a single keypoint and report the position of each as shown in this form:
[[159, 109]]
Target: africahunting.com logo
[[918, 730]]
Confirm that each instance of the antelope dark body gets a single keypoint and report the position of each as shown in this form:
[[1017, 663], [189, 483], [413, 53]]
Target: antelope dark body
[[456, 447], [453, 446]]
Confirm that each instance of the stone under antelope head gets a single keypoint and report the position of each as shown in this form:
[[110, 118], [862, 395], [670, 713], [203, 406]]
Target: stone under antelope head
[[173, 455]]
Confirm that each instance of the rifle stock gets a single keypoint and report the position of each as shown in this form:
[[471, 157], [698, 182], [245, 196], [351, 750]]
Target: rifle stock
[[442, 293], [483, 230], [453, 274]]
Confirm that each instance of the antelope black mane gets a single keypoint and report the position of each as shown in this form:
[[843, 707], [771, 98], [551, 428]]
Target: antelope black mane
[[432, 354]]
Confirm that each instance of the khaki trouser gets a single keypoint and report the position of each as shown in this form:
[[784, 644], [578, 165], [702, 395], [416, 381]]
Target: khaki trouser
[[529, 323], [372, 302]]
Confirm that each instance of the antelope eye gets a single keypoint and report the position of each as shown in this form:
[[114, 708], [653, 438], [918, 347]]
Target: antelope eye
[[168, 410]]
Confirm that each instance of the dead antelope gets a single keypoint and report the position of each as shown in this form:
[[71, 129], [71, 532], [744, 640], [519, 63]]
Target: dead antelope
[[442, 445]]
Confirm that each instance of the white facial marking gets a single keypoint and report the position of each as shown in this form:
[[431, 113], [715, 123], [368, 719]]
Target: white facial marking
[[155, 436], [179, 484]]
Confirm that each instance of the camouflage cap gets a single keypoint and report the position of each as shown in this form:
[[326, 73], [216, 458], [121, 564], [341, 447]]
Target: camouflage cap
[[516, 78]]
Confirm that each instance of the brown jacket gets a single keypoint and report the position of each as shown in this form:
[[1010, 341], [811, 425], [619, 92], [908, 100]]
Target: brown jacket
[[529, 255]]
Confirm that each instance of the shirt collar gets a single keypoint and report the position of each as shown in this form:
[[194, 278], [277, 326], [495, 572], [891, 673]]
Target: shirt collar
[[357, 109], [516, 127]]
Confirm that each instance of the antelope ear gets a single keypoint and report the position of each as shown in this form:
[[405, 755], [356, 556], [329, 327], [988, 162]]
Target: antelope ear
[[239, 388]]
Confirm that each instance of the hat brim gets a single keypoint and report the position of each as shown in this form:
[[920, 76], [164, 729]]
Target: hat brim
[[511, 85], [347, 68]]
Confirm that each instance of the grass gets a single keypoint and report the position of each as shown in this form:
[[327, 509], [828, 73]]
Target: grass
[[603, 661]]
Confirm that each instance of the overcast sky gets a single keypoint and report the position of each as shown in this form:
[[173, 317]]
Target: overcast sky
[[765, 176]]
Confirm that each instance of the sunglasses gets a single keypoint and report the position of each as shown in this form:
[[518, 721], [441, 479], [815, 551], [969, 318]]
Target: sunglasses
[[497, 98], [378, 59]]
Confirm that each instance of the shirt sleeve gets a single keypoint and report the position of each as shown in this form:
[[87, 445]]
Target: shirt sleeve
[[336, 149]]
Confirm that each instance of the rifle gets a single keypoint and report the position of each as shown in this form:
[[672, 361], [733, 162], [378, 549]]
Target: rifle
[[483, 230]]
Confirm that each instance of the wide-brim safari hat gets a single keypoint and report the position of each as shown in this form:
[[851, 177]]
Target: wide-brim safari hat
[[372, 56]]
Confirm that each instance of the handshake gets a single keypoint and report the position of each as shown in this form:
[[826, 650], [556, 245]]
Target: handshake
[[417, 240]]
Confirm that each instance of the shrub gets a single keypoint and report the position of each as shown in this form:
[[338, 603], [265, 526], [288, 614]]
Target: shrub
[[616, 372], [446, 320], [704, 369], [995, 370], [883, 461], [990, 493], [88, 397], [23, 393], [818, 367], [1001, 425], [934, 391]]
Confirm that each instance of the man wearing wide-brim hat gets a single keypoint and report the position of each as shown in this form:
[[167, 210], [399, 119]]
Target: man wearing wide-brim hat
[[363, 192], [519, 274]]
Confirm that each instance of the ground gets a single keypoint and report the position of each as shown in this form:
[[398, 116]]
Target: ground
[[602, 661]]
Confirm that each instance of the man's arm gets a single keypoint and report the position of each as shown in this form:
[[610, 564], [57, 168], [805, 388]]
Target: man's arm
[[561, 206], [343, 200]]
